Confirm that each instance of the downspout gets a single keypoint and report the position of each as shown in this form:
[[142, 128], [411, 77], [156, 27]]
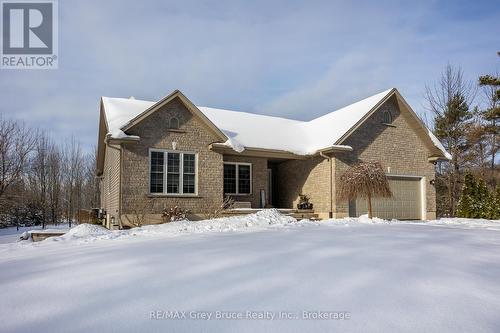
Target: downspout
[[106, 141], [330, 213]]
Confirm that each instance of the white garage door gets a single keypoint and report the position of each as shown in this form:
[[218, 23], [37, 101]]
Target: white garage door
[[404, 205]]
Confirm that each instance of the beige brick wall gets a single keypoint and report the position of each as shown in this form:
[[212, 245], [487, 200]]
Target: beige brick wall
[[310, 177], [259, 178], [397, 147], [194, 136]]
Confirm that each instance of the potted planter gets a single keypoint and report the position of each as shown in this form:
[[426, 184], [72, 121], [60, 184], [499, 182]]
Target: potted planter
[[304, 203]]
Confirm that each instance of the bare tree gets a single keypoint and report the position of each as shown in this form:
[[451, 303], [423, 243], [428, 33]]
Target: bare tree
[[140, 212], [72, 179], [218, 211], [16, 143], [90, 191], [38, 177], [41, 181], [449, 100], [55, 183], [364, 180], [451, 83]]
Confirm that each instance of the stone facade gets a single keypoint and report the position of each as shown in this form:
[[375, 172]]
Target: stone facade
[[310, 177], [192, 136], [397, 146]]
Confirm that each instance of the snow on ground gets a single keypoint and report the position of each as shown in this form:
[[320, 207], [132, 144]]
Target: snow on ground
[[11, 234], [436, 276]]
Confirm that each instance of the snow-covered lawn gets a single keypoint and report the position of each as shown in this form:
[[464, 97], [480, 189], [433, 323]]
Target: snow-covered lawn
[[438, 276], [11, 234]]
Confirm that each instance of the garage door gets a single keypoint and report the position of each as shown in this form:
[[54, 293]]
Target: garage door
[[404, 205]]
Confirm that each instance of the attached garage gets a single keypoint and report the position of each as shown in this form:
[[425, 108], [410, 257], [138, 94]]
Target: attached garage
[[406, 203]]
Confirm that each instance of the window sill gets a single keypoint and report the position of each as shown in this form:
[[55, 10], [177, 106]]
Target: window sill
[[170, 195], [176, 130], [389, 125], [238, 195]]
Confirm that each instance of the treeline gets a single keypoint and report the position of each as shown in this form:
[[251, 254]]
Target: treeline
[[43, 182], [466, 117]]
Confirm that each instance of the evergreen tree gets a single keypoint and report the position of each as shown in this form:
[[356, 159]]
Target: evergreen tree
[[491, 115], [494, 205], [449, 100], [452, 127], [476, 200], [481, 200], [466, 204]]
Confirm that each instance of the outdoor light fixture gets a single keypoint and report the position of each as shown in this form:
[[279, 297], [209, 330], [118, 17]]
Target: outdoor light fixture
[[433, 182]]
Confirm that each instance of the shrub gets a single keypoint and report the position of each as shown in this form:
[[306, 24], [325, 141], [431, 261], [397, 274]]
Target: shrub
[[476, 201], [174, 214], [494, 205], [466, 204], [227, 203]]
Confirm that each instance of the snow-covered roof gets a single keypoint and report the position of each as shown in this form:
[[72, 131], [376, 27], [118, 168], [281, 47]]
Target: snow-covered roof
[[120, 111], [299, 137], [249, 130]]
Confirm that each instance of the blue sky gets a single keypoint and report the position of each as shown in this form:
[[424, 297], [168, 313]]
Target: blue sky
[[296, 59]]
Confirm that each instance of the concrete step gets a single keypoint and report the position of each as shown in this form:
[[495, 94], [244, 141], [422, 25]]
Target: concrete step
[[300, 216], [297, 214]]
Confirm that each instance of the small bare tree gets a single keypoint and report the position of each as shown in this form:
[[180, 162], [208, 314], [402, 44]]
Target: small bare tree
[[364, 180], [140, 212], [227, 203]]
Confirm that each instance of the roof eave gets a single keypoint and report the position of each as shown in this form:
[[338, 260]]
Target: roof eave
[[366, 116], [193, 108], [335, 149], [257, 152]]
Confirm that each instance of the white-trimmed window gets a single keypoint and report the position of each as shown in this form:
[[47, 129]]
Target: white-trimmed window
[[172, 172], [237, 178]]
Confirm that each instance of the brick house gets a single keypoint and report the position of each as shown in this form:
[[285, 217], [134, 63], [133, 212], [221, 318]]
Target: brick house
[[154, 155]]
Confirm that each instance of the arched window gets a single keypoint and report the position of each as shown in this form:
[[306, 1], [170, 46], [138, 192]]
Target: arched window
[[174, 123], [387, 117]]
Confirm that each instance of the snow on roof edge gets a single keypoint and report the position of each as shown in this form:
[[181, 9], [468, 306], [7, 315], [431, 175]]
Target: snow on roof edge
[[118, 112]]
